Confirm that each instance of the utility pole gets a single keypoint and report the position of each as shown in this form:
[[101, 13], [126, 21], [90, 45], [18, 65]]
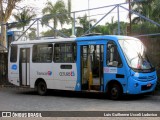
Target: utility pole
[[37, 28], [89, 15], [130, 21]]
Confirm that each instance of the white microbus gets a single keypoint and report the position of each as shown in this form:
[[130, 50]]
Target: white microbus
[[105, 63]]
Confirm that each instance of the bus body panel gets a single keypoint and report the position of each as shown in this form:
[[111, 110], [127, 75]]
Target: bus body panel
[[115, 74], [40, 70], [54, 77], [136, 85], [13, 73], [141, 82], [57, 77], [66, 77], [13, 70], [118, 74]]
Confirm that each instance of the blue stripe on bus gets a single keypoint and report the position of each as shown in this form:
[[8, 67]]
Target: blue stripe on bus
[[78, 83]]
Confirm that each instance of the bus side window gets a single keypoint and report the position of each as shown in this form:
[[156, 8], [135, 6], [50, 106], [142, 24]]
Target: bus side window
[[13, 55], [113, 57], [42, 53], [56, 53], [65, 52]]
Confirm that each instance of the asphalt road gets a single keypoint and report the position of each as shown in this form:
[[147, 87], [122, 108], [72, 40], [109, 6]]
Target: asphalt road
[[17, 99]]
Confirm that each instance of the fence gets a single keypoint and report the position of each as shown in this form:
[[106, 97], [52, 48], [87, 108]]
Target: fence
[[103, 12]]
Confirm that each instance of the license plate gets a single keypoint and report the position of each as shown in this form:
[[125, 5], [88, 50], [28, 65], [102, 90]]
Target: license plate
[[149, 85]]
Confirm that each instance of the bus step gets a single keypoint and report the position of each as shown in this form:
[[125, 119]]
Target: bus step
[[95, 87], [93, 91], [24, 86]]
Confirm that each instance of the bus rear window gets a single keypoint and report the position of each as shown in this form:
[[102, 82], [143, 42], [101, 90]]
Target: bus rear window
[[13, 55]]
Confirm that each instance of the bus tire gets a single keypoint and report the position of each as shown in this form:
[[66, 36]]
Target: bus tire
[[42, 88], [115, 91]]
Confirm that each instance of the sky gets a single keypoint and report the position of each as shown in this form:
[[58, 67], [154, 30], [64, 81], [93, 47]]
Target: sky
[[78, 5]]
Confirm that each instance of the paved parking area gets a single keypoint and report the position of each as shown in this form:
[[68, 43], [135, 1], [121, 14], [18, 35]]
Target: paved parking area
[[23, 99]]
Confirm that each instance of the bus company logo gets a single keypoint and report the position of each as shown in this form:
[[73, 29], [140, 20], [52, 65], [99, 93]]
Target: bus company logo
[[49, 73], [14, 67], [67, 73]]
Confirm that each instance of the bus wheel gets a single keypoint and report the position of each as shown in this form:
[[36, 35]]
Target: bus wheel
[[115, 91], [42, 88]]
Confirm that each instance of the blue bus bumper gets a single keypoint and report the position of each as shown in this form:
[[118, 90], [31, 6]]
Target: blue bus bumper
[[140, 87]]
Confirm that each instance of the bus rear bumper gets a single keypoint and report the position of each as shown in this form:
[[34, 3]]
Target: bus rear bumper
[[139, 87]]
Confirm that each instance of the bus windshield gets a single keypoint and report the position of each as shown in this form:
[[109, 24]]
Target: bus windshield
[[135, 54]]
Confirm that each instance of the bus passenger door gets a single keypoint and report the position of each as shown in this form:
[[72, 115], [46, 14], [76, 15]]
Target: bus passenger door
[[92, 67], [24, 66]]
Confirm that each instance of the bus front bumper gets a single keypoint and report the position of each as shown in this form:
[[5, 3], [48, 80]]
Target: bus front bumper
[[140, 87]]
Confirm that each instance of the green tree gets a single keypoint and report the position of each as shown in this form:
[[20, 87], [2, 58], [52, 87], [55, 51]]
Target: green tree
[[52, 12], [150, 9], [6, 8], [79, 31], [66, 31], [48, 33], [85, 22], [101, 29], [144, 28], [145, 8], [24, 17], [156, 12], [69, 8], [32, 34], [113, 27]]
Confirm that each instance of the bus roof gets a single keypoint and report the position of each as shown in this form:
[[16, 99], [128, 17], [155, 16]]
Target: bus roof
[[45, 40], [103, 37], [84, 38]]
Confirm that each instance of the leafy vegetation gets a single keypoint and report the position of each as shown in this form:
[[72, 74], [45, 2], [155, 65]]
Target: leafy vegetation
[[50, 14], [148, 8], [5, 13], [24, 17]]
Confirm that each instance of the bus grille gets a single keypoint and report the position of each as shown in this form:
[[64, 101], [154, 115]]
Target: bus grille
[[145, 87], [146, 78]]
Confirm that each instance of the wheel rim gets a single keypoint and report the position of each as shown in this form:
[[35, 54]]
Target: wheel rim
[[42, 88], [114, 92]]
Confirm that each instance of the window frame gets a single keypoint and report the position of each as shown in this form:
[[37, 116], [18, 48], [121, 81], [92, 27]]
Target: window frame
[[35, 52], [13, 55], [118, 66], [73, 52]]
